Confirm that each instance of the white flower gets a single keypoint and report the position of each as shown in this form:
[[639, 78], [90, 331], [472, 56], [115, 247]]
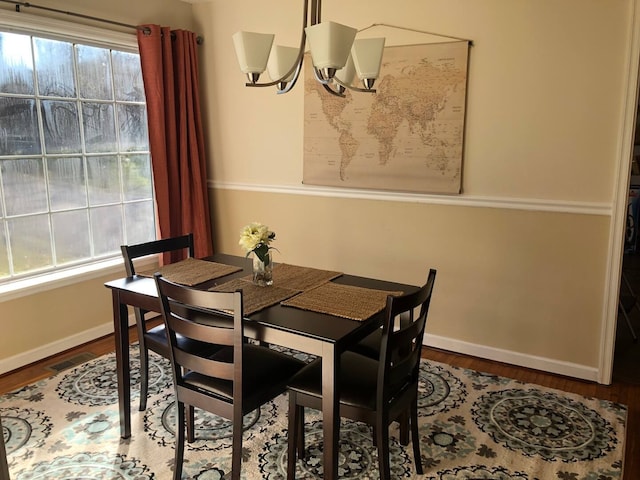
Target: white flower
[[256, 237]]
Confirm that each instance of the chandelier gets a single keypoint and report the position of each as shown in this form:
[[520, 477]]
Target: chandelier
[[336, 54]]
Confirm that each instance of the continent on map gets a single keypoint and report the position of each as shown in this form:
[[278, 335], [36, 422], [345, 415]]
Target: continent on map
[[419, 104]]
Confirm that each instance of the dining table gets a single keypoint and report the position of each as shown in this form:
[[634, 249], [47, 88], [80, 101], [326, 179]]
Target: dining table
[[285, 320]]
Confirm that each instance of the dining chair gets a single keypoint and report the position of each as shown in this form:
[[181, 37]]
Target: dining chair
[[155, 338], [375, 391], [235, 380], [370, 346], [4, 465]]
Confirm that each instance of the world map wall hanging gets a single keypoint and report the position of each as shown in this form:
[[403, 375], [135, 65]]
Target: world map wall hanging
[[408, 136]]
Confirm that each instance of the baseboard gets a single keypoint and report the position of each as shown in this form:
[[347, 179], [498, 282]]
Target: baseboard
[[548, 365], [489, 353], [26, 358]]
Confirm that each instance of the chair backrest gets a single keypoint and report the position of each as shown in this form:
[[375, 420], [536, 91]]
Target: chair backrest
[[173, 244], [4, 466], [180, 306], [401, 344]]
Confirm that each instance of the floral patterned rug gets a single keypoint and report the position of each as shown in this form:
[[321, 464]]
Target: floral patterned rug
[[472, 426]]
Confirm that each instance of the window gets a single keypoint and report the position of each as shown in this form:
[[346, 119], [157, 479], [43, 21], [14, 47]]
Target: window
[[75, 171]]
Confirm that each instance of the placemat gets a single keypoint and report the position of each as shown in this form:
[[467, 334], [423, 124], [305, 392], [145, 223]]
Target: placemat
[[192, 271], [355, 303], [255, 298], [299, 278]]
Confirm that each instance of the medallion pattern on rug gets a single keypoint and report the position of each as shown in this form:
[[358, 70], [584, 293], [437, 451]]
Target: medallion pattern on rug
[[211, 431], [94, 466], [471, 425], [357, 458], [97, 383], [544, 424]]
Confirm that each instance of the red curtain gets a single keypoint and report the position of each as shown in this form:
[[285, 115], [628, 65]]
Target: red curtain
[[170, 75]]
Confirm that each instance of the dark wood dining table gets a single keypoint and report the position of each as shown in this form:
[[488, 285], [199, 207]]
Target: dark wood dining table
[[321, 334]]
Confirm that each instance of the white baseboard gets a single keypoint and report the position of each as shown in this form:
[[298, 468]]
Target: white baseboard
[[548, 365], [505, 356], [40, 353]]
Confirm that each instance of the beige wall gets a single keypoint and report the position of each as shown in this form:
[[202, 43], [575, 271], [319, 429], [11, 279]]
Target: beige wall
[[507, 279], [523, 279], [544, 94], [35, 321], [174, 13]]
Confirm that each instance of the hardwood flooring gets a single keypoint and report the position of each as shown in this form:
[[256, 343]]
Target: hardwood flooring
[[626, 393]]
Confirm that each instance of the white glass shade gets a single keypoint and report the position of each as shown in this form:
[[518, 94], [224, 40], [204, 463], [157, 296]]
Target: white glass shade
[[346, 73], [280, 62], [330, 44], [252, 50], [367, 57]]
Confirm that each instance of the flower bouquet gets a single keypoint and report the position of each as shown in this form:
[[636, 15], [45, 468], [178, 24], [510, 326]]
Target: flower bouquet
[[256, 238]]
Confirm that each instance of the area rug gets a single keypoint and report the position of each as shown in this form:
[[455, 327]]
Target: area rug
[[472, 426]]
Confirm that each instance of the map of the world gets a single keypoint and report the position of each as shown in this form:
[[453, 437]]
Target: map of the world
[[408, 136]]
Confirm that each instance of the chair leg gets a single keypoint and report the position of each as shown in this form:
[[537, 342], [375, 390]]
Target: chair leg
[[300, 443], [382, 442], [144, 376], [294, 434], [177, 467], [236, 448], [403, 420], [415, 436], [191, 432]]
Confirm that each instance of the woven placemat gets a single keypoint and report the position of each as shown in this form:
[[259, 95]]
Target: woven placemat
[[192, 271], [255, 298], [299, 278], [355, 303]]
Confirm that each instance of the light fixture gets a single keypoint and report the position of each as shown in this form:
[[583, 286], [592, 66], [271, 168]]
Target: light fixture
[[336, 55]]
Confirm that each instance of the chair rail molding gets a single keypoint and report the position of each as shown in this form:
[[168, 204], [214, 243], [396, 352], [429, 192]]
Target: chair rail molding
[[462, 200]]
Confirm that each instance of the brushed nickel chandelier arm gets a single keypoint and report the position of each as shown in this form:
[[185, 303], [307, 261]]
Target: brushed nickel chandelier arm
[[297, 66], [316, 12], [316, 16], [351, 87], [341, 86], [335, 52]]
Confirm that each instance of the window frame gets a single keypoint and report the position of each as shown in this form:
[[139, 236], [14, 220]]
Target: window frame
[[23, 23]]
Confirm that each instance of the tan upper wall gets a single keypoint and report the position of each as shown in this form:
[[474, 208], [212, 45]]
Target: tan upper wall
[[545, 90], [174, 13]]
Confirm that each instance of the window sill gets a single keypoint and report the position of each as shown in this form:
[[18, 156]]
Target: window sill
[[62, 278]]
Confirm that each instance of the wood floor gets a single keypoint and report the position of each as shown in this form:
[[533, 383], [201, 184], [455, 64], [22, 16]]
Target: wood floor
[[625, 393]]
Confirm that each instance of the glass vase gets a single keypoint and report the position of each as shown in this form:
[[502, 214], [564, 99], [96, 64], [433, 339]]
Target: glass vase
[[263, 270]]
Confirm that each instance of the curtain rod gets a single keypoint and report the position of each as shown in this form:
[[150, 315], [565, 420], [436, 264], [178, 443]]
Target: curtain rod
[[146, 30]]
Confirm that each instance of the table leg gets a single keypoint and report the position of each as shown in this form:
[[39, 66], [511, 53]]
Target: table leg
[[330, 410], [121, 334], [4, 466]]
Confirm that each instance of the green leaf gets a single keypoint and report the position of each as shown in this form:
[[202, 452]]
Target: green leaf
[[261, 252]]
